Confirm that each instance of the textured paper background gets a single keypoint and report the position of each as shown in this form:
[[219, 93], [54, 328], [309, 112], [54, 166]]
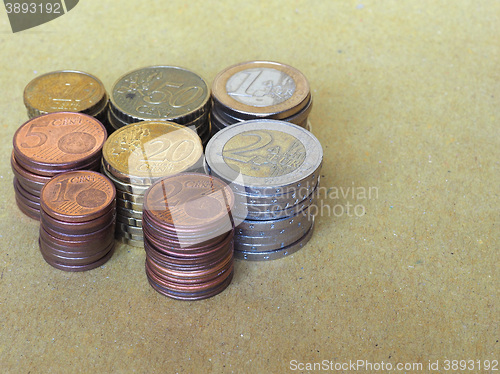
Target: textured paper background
[[406, 101]]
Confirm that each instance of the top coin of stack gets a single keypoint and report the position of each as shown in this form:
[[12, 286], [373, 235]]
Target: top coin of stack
[[66, 91], [273, 169], [260, 89], [161, 93], [137, 155], [48, 145]]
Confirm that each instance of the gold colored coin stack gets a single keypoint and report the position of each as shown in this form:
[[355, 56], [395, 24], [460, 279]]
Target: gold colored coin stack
[[161, 93], [257, 90], [139, 154], [67, 91]]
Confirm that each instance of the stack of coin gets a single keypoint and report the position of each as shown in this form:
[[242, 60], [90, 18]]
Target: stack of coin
[[78, 220], [273, 168], [49, 145], [137, 155], [67, 91], [161, 93], [188, 236], [260, 89]]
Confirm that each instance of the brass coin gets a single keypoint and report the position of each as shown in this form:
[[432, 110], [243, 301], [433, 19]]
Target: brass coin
[[261, 89], [78, 196], [143, 152], [160, 93], [64, 91]]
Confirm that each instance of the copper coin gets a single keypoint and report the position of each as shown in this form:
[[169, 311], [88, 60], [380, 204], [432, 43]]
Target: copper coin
[[189, 289], [78, 196], [189, 296], [92, 164], [189, 200], [198, 253], [77, 228], [66, 90], [73, 260], [75, 237], [36, 181], [59, 140], [27, 210], [79, 245], [26, 201], [178, 238], [18, 188], [91, 266], [175, 262]]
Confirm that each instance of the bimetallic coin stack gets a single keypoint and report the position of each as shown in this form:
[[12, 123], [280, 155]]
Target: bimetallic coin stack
[[161, 93], [137, 155], [273, 168], [260, 89], [78, 220], [67, 91], [188, 236], [49, 145]]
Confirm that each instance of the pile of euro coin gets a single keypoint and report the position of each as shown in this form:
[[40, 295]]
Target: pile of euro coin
[[51, 144], [77, 224], [258, 90], [274, 169], [188, 236], [137, 155], [248, 195], [161, 93], [67, 91]]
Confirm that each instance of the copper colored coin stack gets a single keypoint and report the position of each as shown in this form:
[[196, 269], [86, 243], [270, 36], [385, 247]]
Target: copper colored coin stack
[[77, 220], [188, 236], [49, 145], [67, 91], [161, 93], [258, 90]]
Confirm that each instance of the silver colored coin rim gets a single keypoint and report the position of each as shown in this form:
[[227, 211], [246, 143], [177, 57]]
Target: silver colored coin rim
[[309, 167], [130, 221], [135, 198], [132, 230], [283, 238], [276, 254], [131, 242], [129, 204], [275, 224], [128, 212], [129, 235]]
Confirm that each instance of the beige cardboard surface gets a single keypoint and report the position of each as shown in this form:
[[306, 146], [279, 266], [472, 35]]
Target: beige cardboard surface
[[403, 265]]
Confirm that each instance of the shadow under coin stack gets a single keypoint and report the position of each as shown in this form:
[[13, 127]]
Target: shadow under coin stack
[[78, 220], [188, 236], [137, 155], [260, 89], [67, 91], [162, 93], [49, 145], [273, 168]]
